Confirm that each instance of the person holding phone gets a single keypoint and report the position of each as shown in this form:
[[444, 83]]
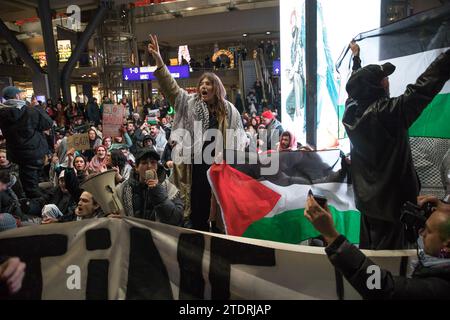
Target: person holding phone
[[431, 276], [147, 194]]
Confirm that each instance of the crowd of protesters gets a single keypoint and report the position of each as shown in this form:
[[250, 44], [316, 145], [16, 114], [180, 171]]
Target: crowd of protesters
[[41, 177]]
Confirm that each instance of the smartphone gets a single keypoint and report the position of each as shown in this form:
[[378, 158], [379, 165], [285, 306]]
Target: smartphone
[[321, 200], [150, 175]]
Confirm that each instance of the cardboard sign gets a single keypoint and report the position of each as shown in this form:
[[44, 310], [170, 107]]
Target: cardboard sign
[[113, 116], [79, 141]]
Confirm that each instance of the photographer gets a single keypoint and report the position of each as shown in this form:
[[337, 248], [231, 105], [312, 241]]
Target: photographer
[[431, 277]]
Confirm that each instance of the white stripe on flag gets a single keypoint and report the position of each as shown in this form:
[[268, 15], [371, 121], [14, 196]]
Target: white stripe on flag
[[409, 68], [293, 197]]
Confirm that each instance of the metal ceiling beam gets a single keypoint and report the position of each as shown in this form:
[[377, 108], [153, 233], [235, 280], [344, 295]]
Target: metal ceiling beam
[[20, 48], [17, 5], [45, 15], [25, 3], [81, 45]]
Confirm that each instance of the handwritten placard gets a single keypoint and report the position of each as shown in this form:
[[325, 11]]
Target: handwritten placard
[[113, 116], [78, 142]]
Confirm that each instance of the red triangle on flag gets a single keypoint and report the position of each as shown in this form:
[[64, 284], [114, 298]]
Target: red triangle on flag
[[243, 200]]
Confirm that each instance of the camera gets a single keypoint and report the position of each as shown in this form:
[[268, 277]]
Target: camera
[[414, 218]]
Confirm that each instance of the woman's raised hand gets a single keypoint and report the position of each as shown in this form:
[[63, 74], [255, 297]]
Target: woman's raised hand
[[153, 49]]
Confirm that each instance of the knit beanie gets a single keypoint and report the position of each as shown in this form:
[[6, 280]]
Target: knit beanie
[[7, 222]]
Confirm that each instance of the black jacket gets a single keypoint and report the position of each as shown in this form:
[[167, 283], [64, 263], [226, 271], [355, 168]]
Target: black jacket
[[426, 283], [383, 174], [10, 204], [73, 182], [13, 169], [137, 137], [274, 132], [93, 113], [23, 129]]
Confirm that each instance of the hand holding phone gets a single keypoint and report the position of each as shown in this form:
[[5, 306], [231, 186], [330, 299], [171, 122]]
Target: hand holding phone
[[322, 201]]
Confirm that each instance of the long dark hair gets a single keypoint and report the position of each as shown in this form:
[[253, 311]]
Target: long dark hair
[[118, 159]]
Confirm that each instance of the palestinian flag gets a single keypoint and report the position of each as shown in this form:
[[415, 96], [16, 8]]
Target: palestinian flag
[[411, 45], [270, 207]]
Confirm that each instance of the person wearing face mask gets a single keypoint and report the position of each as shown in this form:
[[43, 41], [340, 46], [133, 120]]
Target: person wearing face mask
[[431, 276], [383, 173], [209, 108]]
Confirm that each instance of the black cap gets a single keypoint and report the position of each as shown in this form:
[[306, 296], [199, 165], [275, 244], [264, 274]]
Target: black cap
[[381, 71], [147, 153], [366, 82]]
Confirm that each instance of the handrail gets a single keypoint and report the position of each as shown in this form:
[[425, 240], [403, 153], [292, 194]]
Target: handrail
[[265, 77], [241, 81]]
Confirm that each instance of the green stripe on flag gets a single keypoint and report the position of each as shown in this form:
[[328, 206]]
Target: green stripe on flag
[[292, 227], [435, 119]]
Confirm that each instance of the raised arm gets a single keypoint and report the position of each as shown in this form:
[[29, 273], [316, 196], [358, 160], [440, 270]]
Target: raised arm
[[356, 60], [167, 83], [418, 96]]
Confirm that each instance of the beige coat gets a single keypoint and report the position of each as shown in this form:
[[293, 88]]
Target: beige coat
[[190, 108]]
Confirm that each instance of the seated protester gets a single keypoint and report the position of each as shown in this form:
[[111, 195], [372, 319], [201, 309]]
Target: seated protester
[[55, 203], [119, 142], [167, 127], [148, 143], [153, 199], [99, 162], [136, 136], [130, 157], [59, 161], [431, 276], [287, 142], [120, 164], [9, 202], [11, 169], [87, 208], [75, 174], [94, 142], [7, 222], [137, 120], [159, 137]]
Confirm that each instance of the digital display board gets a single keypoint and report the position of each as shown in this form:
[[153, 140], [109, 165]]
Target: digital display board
[[146, 73]]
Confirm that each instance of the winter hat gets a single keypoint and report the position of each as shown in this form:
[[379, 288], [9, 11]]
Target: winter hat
[[365, 83], [268, 115], [7, 222]]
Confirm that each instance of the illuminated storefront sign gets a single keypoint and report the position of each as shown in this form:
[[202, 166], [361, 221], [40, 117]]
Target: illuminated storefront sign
[[64, 50], [40, 58]]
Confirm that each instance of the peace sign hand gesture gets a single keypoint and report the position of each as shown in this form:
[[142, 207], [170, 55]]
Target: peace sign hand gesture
[[153, 49]]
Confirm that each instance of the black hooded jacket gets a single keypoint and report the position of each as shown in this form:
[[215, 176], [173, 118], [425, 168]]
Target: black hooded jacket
[[23, 129], [383, 174]]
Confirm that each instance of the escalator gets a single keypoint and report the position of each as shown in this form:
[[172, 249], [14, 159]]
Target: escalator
[[252, 70]]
